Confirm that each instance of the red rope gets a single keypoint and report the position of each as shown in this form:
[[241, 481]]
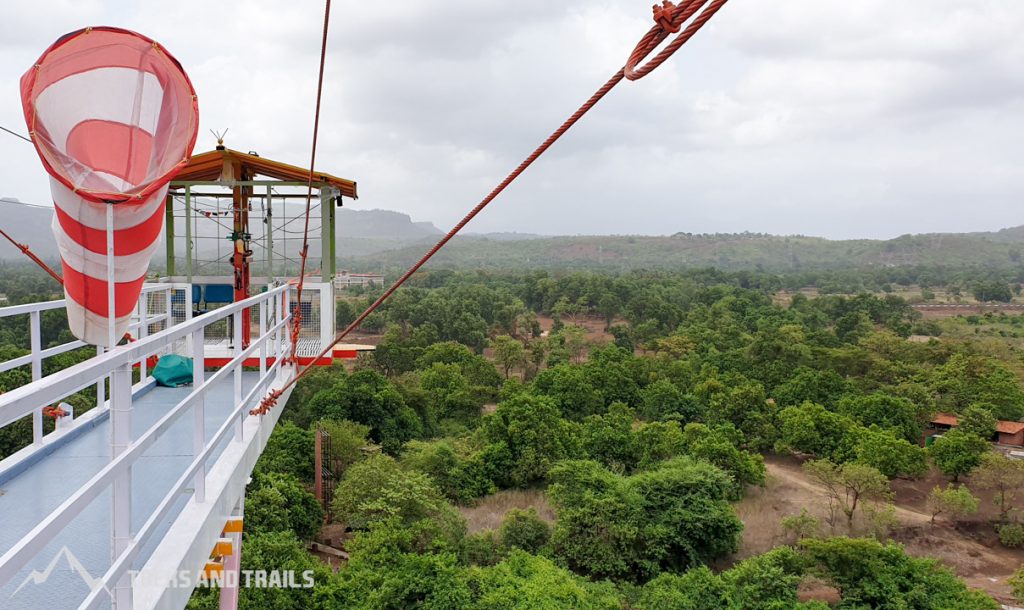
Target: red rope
[[297, 313], [657, 34], [28, 252]]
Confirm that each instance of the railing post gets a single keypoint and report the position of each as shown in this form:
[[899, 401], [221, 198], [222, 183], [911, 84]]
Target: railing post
[[101, 387], [120, 513], [35, 345], [143, 330], [263, 340], [236, 320], [199, 409]]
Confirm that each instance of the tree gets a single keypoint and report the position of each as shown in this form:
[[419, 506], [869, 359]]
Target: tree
[[1002, 475], [695, 589], [368, 398], [812, 429], [457, 468], [663, 398], [870, 574], [718, 447], [524, 529], [277, 502], [892, 456], [1017, 582], [954, 502], [632, 528], [992, 290], [509, 353], [885, 411], [289, 451], [348, 441], [957, 453], [804, 525], [609, 438], [977, 419], [526, 582], [848, 484], [529, 427], [281, 552], [377, 490]]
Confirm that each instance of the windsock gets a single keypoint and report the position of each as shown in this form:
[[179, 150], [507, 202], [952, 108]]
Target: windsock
[[114, 118]]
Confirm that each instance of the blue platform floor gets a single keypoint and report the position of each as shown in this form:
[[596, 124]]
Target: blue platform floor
[[33, 494]]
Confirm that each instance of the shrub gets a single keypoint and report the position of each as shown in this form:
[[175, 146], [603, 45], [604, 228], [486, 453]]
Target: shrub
[[524, 529], [1012, 535]]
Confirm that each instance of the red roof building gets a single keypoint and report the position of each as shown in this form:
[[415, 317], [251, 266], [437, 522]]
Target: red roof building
[[1007, 432]]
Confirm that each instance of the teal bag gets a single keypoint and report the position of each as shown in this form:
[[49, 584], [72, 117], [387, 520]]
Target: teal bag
[[173, 370]]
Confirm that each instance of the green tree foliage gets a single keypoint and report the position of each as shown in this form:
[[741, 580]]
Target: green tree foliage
[[848, 485], [394, 566], [631, 528], [609, 439], [1011, 535], [289, 451], [348, 442], [977, 419], [280, 551], [509, 353], [885, 411], [459, 471], [892, 456], [812, 429], [662, 399], [368, 398], [450, 394], [718, 446], [992, 291], [1005, 477], [1017, 582], [378, 490], [872, 575], [953, 502], [527, 582], [766, 582], [278, 502], [524, 529], [957, 453], [965, 380], [529, 428]]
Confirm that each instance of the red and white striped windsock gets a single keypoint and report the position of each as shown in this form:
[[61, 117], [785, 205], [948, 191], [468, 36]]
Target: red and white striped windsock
[[114, 118]]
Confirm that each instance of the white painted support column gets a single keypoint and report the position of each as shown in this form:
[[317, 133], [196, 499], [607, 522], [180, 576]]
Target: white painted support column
[[236, 321], [233, 565], [36, 348], [199, 409], [121, 498]]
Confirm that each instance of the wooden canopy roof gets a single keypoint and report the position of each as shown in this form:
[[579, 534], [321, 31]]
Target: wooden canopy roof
[[224, 164]]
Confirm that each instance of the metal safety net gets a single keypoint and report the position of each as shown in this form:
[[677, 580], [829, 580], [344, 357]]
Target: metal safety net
[[114, 118]]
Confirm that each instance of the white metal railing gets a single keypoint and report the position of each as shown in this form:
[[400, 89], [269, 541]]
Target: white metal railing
[[142, 318], [272, 342]]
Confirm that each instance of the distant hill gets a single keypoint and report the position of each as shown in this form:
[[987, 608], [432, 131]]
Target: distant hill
[[725, 251], [381, 224], [368, 239]]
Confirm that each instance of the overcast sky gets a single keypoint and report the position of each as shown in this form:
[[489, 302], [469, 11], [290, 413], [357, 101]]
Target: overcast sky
[[823, 117]]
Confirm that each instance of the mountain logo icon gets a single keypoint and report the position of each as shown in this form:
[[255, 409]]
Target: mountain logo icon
[[37, 577]]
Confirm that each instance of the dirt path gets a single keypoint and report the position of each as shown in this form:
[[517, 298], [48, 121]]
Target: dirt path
[[799, 479], [969, 548]]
